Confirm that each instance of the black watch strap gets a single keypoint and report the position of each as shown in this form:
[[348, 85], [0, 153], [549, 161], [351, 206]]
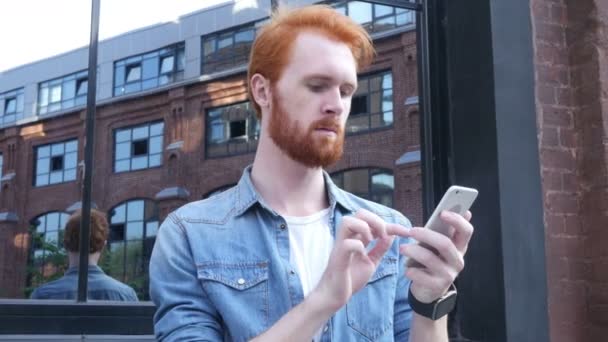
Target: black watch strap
[[437, 309]]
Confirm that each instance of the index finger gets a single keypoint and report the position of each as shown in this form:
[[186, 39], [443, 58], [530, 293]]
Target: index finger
[[397, 229], [377, 225]]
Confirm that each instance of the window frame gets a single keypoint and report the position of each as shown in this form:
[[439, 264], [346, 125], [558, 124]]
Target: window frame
[[63, 102], [378, 170], [158, 79], [250, 120], [148, 124], [50, 144], [368, 75], [11, 118]]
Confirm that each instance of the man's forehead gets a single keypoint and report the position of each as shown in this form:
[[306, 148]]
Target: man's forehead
[[314, 55]]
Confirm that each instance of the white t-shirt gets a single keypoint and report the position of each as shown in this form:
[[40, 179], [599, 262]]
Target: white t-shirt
[[310, 244]]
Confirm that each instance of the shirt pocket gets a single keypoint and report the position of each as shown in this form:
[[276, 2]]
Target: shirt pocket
[[239, 291], [370, 311]]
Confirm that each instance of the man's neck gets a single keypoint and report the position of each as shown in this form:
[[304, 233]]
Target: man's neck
[[74, 259], [287, 186]]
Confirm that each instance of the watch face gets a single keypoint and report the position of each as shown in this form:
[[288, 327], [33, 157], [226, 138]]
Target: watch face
[[445, 305]]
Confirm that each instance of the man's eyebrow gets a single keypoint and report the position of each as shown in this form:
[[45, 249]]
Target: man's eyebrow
[[326, 78]]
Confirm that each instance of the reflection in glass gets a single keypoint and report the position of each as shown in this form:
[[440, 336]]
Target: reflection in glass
[[373, 184], [133, 228]]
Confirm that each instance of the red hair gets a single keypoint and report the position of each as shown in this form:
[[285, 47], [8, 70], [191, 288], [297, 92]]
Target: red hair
[[272, 48]]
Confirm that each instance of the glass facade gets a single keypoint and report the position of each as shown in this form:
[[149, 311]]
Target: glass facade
[[11, 107], [63, 92], [374, 17], [139, 147], [149, 70], [47, 257], [231, 130], [133, 227], [372, 104], [56, 163]]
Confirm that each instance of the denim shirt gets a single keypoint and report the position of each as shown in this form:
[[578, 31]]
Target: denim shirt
[[220, 271], [99, 287]]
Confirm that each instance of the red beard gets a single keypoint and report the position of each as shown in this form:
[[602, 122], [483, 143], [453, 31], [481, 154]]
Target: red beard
[[304, 147]]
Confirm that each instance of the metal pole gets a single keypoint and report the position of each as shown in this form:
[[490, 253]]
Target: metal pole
[[83, 269], [424, 99]]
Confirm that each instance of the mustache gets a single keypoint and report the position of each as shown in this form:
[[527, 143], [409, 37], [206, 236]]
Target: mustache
[[327, 123]]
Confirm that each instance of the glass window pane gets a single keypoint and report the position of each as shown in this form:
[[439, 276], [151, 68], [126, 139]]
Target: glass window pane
[[156, 145], [381, 10], [208, 46], [151, 228], [244, 36], [69, 89], [135, 230], [71, 146], [359, 11], [135, 210], [383, 181], [40, 228], [181, 59], [140, 133], [166, 64], [57, 149], [156, 129], [154, 160], [56, 93], [44, 151], [69, 175], [52, 221], [118, 214], [43, 96], [119, 75], [133, 73], [123, 150], [69, 162], [224, 42], [56, 177], [82, 87], [42, 179], [150, 67], [357, 181], [122, 165], [123, 135], [43, 165], [139, 163]]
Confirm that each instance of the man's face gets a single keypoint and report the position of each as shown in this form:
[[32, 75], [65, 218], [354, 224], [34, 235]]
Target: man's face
[[311, 100]]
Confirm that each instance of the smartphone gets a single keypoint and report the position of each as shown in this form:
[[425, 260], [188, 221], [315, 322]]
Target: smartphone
[[456, 199]]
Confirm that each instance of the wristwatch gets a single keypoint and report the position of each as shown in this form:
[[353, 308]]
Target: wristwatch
[[436, 309]]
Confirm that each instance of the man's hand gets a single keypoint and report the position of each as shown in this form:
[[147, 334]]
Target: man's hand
[[350, 265], [440, 271]]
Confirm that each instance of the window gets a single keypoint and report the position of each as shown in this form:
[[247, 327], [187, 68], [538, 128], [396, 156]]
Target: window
[[63, 92], [223, 51], [375, 17], [56, 163], [133, 227], [231, 130], [11, 107], [373, 184], [47, 258], [137, 148], [149, 70], [372, 104]]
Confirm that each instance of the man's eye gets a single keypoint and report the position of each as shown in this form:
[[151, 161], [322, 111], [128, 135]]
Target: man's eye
[[316, 88]]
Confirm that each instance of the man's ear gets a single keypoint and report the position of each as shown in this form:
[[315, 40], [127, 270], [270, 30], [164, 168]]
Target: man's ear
[[260, 89]]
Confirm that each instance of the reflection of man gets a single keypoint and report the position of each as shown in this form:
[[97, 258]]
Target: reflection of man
[[100, 286], [285, 255]]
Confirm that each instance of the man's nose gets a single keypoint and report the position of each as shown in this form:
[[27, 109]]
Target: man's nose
[[333, 103]]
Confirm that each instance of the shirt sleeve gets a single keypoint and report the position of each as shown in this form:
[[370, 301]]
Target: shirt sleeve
[[183, 309], [402, 310]]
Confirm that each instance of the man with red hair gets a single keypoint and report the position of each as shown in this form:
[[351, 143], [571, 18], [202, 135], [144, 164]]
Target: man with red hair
[[285, 255]]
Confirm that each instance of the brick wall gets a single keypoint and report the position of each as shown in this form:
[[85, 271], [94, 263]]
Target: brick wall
[[571, 82], [183, 111]]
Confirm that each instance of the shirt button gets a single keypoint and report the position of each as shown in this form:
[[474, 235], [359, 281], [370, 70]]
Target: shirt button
[[283, 226], [292, 272], [241, 281], [325, 328]]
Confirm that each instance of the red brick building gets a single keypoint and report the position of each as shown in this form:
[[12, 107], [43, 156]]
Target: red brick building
[[570, 52]]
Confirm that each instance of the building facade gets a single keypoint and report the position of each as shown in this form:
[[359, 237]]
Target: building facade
[[173, 125]]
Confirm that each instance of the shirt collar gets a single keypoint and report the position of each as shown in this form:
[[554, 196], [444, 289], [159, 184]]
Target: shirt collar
[[247, 195], [93, 269]]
